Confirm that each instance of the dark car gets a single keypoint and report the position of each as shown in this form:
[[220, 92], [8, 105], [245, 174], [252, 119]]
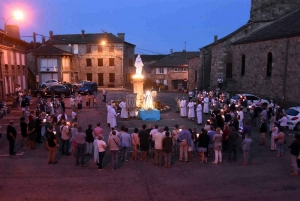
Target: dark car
[[69, 85], [88, 88], [39, 92], [58, 90]]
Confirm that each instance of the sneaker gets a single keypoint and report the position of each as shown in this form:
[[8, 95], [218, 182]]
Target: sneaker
[[100, 169]]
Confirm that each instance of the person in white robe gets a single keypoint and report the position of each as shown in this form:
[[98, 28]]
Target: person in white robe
[[96, 151], [113, 116], [199, 114], [108, 106], [206, 105], [124, 112], [191, 107], [183, 107]]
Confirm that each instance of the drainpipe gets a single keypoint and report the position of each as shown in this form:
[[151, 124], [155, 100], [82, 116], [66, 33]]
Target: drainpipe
[[285, 69]]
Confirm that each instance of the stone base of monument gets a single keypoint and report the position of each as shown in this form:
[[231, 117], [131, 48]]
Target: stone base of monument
[[150, 115]]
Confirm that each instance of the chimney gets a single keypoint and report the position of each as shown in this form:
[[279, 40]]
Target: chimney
[[121, 36], [82, 33], [171, 52], [215, 38], [50, 34], [43, 40], [13, 30]]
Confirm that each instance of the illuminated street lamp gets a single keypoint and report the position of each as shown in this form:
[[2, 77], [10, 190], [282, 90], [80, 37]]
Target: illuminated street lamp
[[18, 15]]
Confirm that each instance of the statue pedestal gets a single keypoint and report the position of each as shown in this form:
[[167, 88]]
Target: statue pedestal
[[138, 89]]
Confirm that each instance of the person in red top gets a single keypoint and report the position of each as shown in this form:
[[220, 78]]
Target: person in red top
[[98, 131], [225, 134]]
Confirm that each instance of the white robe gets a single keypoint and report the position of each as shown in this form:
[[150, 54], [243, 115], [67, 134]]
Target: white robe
[[113, 115], [191, 113], [206, 107], [183, 108], [124, 112], [199, 113], [96, 151], [108, 114]]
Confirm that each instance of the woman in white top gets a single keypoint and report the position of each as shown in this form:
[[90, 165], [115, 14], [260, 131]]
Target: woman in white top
[[274, 134], [101, 148]]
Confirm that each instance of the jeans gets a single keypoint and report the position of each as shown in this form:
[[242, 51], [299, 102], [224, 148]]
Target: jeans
[[241, 124], [167, 157], [232, 148], [63, 149], [80, 153], [12, 146], [89, 148], [218, 156], [158, 157], [123, 153], [279, 146], [246, 156], [114, 158], [183, 149], [294, 164], [101, 156], [52, 154]]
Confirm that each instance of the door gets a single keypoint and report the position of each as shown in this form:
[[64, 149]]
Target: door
[[89, 76], [100, 79]]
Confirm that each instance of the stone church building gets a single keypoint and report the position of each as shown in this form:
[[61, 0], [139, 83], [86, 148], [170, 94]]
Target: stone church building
[[261, 57]]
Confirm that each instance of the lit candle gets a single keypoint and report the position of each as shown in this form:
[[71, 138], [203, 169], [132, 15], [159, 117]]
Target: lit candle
[[44, 120], [54, 132], [197, 135]]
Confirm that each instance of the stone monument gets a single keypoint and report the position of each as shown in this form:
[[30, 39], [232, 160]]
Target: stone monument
[[138, 81]]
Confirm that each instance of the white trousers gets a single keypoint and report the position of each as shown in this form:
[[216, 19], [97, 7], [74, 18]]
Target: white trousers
[[218, 156], [273, 144], [89, 147]]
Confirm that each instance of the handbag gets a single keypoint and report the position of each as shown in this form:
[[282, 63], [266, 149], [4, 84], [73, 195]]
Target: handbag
[[116, 143]]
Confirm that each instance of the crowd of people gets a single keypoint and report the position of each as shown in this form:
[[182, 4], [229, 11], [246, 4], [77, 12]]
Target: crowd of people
[[225, 131]]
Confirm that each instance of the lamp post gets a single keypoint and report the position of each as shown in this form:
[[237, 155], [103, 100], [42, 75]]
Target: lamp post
[[17, 15]]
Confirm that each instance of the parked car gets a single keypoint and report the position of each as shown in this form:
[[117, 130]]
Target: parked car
[[250, 97], [39, 92], [69, 85], [88, 88], [79, 83], [49, 83], [293, 115], [59, 90]]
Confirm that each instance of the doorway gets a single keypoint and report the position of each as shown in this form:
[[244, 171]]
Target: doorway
[[100, 79]]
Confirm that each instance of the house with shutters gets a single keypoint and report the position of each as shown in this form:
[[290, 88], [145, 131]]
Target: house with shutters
[[13, 68], [103, 58], [171, 71]]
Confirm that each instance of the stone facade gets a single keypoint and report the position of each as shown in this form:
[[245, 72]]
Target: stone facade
[[284, 80], [193, 72], [12, 63], [269, 10]]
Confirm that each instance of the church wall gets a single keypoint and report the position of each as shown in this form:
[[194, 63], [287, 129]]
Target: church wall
[[256, 80]]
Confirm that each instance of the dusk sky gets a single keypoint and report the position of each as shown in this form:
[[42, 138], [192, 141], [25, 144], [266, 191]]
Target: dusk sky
[[154, 26]]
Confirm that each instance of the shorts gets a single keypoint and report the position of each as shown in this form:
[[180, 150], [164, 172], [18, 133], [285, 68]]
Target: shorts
[[152, 144], [202, 149], [262, 135], [144, 147], [74, 144]]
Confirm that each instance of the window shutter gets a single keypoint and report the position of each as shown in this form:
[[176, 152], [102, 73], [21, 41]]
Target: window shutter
[[12, 59], [165, 70], [157, 81], [5, 56], [157, 70], [165, 82]]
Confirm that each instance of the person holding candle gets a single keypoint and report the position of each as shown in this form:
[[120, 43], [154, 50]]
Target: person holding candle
[[51, 144], [203, 141]]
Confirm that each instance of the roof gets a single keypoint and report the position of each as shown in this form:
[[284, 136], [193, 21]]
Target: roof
[[149, 57], [11, 36], [287, 26], [177, 59], [50, 50], [93, 38], [229, 35]]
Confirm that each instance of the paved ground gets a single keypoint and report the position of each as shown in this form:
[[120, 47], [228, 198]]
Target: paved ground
[[29, 177]]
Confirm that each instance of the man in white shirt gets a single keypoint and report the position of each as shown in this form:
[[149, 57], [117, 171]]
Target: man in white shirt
[[62, 116], [158, 138], [220, 81], [72, 102], [152, 134], [241, 118], [74, 116], [283, 122]]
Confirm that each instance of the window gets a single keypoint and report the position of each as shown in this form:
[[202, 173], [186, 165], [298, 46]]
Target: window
[[88, 62], [229, 70], [100, 48], [184, 69], [161, 70], [100, 62], [111, 77], [88, 48], [130, 62], [269, 64], [111, 62], [175, 69], [111, 48], [243, 65]]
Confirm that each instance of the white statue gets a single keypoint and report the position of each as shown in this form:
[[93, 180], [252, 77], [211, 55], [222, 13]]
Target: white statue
[[139, 66], [148, 102]]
